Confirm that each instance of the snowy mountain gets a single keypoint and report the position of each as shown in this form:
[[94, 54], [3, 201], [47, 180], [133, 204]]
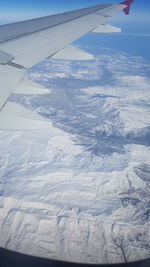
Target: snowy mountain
[[80, 191]]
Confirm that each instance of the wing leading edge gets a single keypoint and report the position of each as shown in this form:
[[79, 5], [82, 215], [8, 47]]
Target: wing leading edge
[[24, 44]]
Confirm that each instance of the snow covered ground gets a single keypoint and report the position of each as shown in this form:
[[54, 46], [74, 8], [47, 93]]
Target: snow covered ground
[[80, 191]]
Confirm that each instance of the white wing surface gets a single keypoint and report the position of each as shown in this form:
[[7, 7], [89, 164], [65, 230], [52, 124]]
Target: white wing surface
[[24, 44]]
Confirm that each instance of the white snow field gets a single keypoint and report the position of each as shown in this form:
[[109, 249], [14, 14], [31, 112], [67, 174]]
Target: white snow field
[[80, 191]]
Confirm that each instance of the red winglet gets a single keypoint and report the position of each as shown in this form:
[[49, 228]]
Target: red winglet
[[128, 3]]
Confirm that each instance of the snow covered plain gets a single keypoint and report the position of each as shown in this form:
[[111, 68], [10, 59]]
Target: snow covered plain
[[80, 191]]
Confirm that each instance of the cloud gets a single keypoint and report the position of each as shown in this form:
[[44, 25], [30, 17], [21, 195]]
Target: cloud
[[137, 34]]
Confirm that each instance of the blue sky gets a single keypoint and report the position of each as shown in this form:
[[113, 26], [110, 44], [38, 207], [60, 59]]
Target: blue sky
[[24, 9]]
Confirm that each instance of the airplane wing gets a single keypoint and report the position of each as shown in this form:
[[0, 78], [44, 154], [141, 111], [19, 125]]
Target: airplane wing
[[24, 44]]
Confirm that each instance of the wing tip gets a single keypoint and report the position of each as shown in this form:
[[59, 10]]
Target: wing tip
[[128, 5]]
